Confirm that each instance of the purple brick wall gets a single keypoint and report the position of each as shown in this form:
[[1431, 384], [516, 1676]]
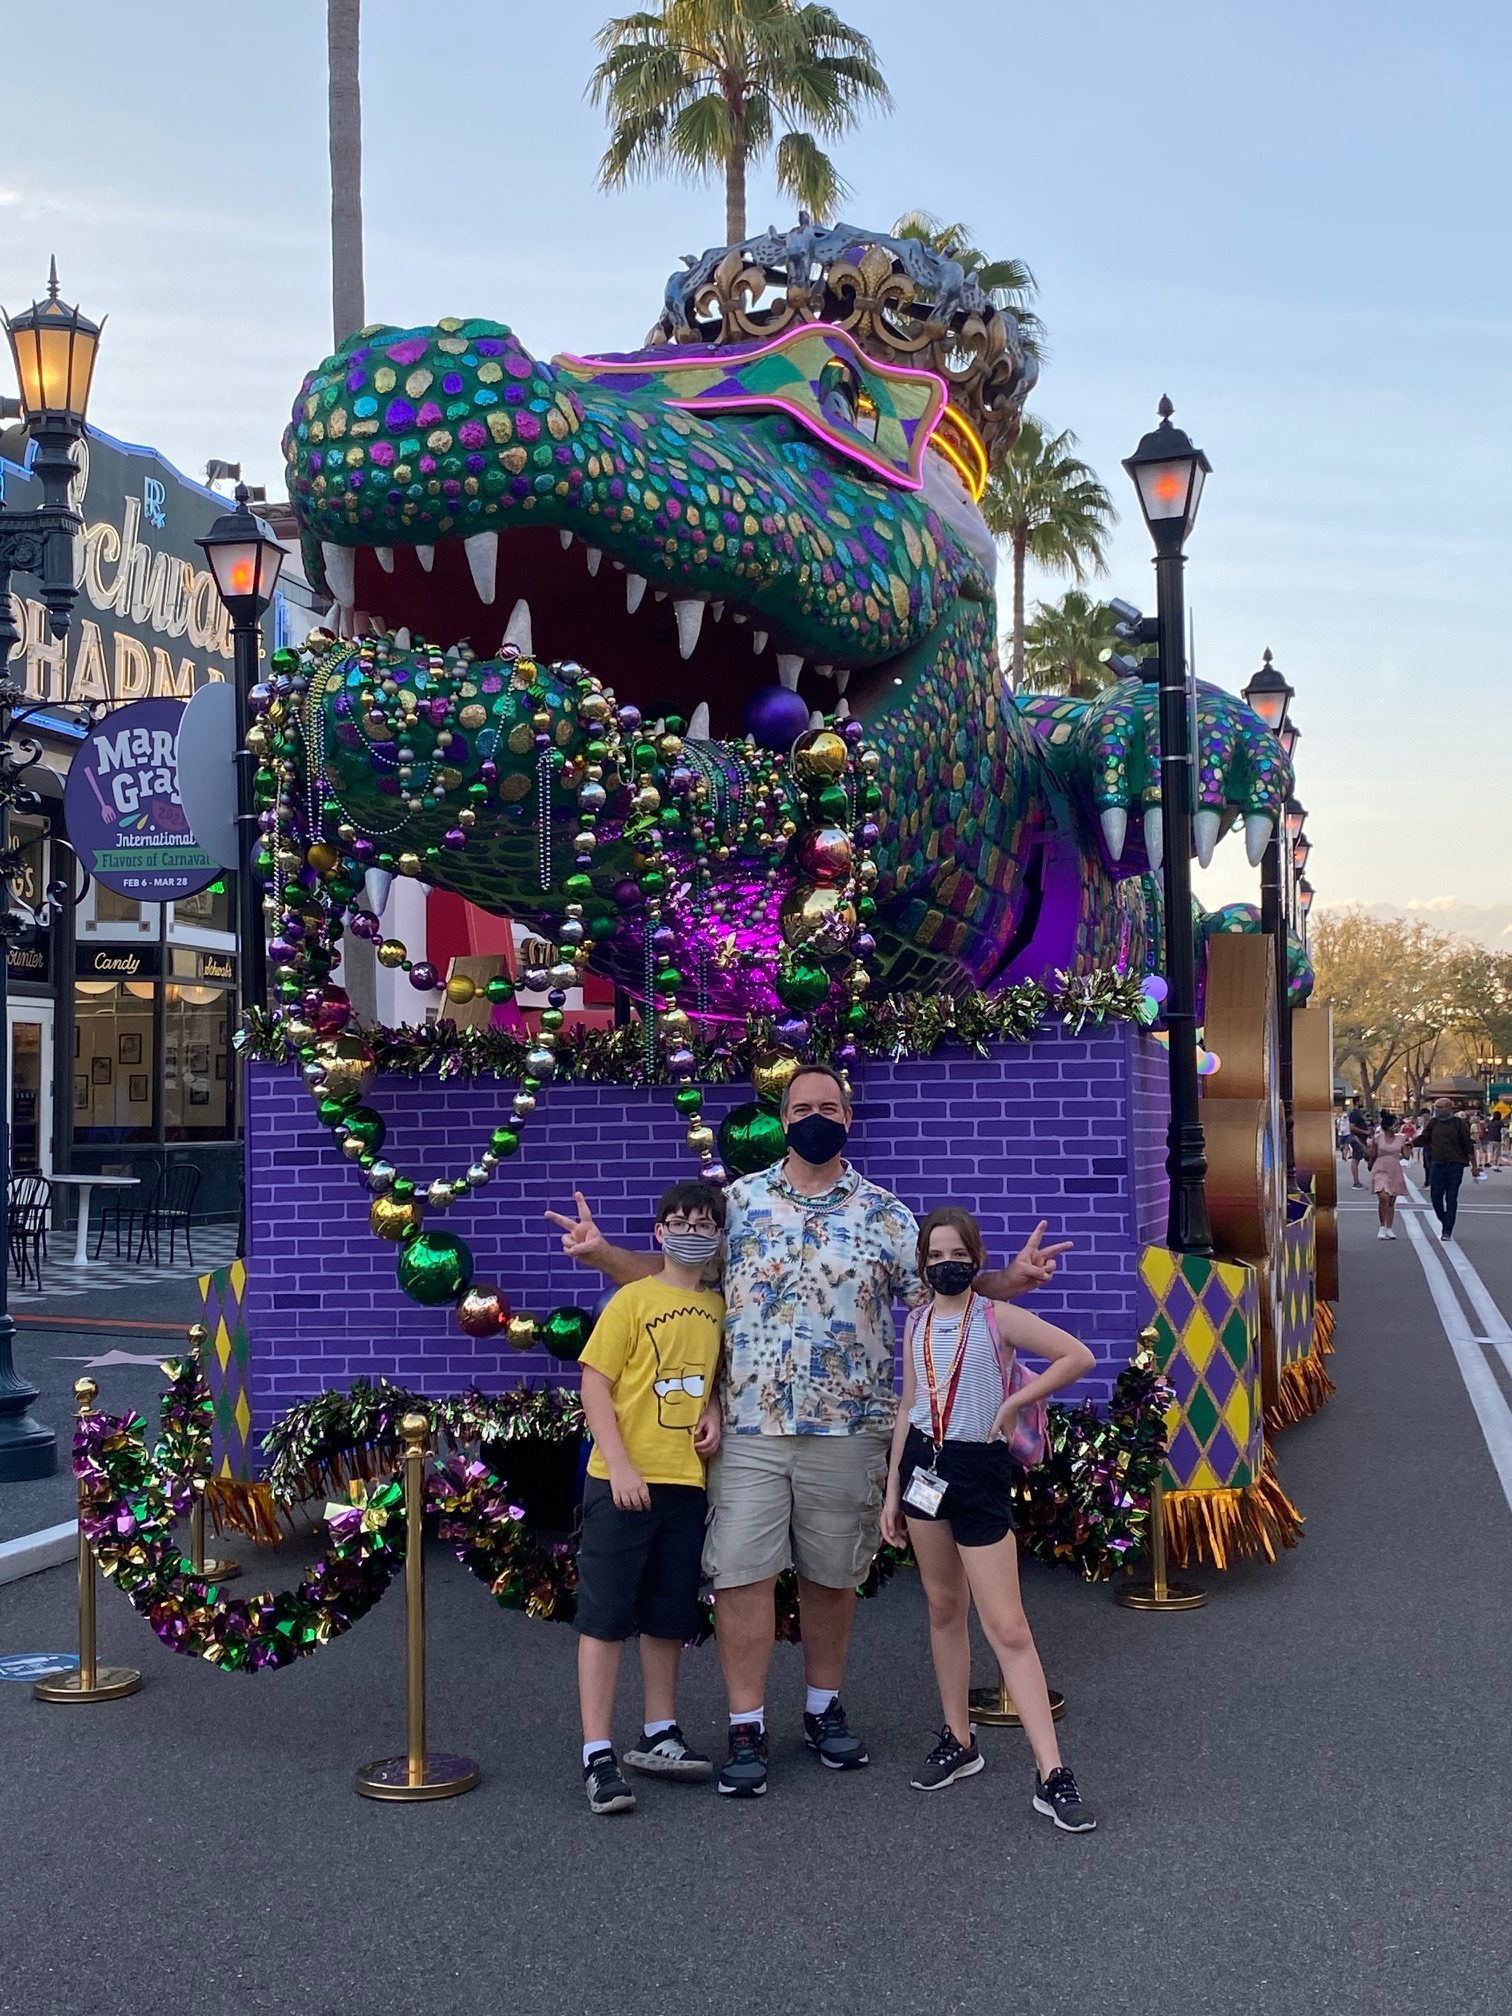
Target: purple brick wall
[[1070, 1129]]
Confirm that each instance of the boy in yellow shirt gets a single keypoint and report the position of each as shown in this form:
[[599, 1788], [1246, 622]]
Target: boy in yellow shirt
[[648, 1389]]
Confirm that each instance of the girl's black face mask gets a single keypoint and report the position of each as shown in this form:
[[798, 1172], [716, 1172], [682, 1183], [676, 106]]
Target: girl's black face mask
[[816, 1138], [950, 1277]]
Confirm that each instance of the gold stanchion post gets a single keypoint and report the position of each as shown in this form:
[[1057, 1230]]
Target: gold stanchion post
[[1160, 1592], [92, 1682], [419, 1774], [993, 1706], [217, 1568]]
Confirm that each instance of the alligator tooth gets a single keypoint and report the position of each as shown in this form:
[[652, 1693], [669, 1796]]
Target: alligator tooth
[[340, 571], [618, 566], [426, 555], [842, 679], [758, 641], [1154, 832], [635, 588], [789, 665], [1115, 825], [1257, 833], [566, 538], [842, 712], [816, 719], [698, 727], [333, 618], [482, 551], [375, 889], [690, 617], [518, 632], [402, 638], [385, 558], [594, 558], [716, 610], [825, 671], [1205, 835], [661, 594], [739, 616]]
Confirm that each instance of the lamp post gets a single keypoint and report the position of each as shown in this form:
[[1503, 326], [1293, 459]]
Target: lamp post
[[1168, 474], [246, 560], [1270, 695], [53, 347]]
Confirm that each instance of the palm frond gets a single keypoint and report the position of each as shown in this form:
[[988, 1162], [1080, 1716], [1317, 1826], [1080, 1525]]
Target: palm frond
[[807, 174]]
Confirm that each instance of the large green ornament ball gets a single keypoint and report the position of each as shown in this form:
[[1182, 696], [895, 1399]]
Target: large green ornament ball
[[367, 1126], [751, 1138], [566, 1331], [435, 1267], [804, 985]]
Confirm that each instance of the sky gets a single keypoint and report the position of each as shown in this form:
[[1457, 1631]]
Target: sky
[[1290, 218]]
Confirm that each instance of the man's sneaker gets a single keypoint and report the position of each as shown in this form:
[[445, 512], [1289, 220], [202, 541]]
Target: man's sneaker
[[744, 1775], [667, 1756], [829, 1736], [607, 1791], [1058, 1798], [950, 1759]]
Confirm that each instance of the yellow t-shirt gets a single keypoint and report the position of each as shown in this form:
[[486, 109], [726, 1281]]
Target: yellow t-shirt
[[658, 1347]]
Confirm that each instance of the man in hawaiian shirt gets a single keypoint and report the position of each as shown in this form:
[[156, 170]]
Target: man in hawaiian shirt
[[815, 1259]]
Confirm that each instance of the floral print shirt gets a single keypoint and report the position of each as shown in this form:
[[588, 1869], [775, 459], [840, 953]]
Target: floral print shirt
[[809, 1286]]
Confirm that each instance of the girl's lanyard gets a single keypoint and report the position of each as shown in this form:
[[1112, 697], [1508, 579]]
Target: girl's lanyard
[[939, 1418]]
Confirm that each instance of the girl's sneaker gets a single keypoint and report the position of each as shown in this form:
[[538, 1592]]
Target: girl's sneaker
[[950, 1759], [607, 1791], [1058, 1799], [667, 1756]]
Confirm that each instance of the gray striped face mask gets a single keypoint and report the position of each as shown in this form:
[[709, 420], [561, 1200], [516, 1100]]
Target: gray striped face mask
[[690, 1249]]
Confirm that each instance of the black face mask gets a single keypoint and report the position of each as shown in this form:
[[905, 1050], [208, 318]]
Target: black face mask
[[816, 1138], [950, 1277]]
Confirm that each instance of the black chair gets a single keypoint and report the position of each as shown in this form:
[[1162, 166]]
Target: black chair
[[170, 1206], [125, 1210], [28, 1209]]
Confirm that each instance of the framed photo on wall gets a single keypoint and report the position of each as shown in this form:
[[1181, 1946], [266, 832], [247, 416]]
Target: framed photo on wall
[[100, 1070], [197, 1060], [129, 1047], [199, 1095], [136, 1088]]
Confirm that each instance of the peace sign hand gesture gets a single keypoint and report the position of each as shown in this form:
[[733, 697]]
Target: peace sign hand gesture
[[581, 1238], [1036, 1263]]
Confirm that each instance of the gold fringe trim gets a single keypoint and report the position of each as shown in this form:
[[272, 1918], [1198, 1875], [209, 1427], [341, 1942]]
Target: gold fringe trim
[[1305, 1387], [1233, 1523], [244, 1508], [1323, 1330]]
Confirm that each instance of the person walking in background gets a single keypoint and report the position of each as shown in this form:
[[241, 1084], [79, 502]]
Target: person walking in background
[[1387, 1179], [1359, 1138], [1449, 1152], [1496, 1128], [1424, 1127]]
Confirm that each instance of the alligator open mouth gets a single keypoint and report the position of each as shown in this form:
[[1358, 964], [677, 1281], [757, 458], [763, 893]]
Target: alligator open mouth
[[559, 599]]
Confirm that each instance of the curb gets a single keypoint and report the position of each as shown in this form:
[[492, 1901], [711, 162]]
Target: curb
[[33, 1552]]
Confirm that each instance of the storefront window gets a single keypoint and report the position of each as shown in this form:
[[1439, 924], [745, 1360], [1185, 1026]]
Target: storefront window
[[196, 1063], [109, 908], [208, 910], [114, 1064]]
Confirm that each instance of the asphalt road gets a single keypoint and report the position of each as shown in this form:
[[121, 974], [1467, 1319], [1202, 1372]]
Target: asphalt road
[[1304, 1788]]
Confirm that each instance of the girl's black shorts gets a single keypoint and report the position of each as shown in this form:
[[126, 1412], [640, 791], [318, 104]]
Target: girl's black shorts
[[977, 1478]]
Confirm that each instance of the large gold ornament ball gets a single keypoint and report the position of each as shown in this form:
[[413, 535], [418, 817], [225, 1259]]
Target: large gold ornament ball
[[298, 1031], [819, 756], [460, 988], [391, 953], [347, 1067], [819, 918], [323, 858], [395, 1217], [771, 1073], [523, 1333]]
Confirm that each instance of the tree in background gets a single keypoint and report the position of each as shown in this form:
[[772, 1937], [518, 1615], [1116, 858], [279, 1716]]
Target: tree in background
[[344, 116], [1391, 983], [708, 88], [1046, 505], [1008, 282], [1065, 644]]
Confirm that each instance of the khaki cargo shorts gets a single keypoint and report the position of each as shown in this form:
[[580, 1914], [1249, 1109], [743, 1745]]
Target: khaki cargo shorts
[[813, 1502]]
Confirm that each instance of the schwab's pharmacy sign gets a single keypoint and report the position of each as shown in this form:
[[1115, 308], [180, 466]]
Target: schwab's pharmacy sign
[[122, 806]]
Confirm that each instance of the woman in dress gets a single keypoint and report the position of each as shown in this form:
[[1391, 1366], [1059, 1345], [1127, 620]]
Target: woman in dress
[[1386, 1175]]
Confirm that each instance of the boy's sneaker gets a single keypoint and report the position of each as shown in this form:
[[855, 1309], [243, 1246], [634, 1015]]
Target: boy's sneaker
[[829, 1735], [744, 1775], [950, 1759], [1058, 1798], [667, 1756], [607, 1791]]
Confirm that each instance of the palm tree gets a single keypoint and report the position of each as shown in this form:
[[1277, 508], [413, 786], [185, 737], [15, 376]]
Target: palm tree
[[344, 112], [1008, 282], [706, 87], [1064, 646], [1047, 505]]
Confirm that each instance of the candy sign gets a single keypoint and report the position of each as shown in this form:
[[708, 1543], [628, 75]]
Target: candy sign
[[123, 809]]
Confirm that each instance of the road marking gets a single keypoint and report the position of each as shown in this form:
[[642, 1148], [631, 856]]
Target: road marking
[[1486, 1396]]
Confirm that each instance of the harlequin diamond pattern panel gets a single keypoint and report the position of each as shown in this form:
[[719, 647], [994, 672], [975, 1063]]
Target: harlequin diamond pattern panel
[[1206, 1314], [228, 1370], [1298, 1281]]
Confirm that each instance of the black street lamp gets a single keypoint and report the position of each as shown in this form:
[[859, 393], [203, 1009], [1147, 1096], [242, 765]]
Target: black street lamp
[[1270, 696], [1168, 473], [53, 347], [245, 559]]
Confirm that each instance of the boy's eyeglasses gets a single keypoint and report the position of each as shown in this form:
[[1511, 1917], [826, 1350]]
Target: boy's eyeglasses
[[689, 1225]]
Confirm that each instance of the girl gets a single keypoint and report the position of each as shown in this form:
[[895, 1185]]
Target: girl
[[1387, 1178], [947, 1495]]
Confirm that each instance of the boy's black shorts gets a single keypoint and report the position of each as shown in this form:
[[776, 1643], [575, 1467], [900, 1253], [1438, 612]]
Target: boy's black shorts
[[640, 1571]]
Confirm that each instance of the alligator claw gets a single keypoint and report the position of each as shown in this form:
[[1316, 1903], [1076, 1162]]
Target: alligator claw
[[1115, 826], [1154, 836], [1205, 828], [1257, 833]]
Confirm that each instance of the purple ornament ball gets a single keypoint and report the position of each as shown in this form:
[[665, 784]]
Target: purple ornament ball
[[775, 718], [423, 977], [792, 1031]]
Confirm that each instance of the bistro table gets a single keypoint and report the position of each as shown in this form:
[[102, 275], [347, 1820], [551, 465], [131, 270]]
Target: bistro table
[[86, 1187]]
